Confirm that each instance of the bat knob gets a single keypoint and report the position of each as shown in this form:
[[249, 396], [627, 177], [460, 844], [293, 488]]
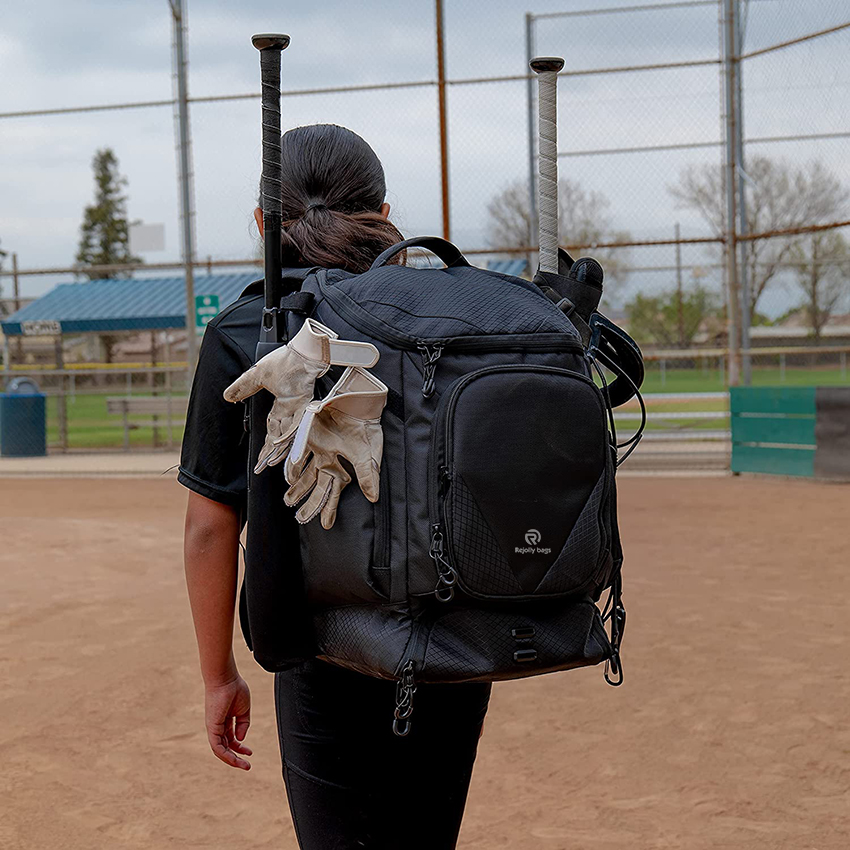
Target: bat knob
[[270, 41], [543, 63]]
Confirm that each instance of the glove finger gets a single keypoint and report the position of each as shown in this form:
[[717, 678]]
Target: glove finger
[[265, 452], [369, 478], [293, 470], [302, 485], [282, 445], [330, 506], [246, 385], [318, 498]]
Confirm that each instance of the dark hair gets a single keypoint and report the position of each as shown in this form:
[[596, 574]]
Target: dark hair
[[333, 188]]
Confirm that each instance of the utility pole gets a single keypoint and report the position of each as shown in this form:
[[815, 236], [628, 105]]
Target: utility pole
[[733, 306], [746, 298], [184, 159], [532, 163], [444, 134], [680, 307]]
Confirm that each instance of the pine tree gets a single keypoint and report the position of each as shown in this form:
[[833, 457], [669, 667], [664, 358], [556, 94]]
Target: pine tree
[[105, 231]]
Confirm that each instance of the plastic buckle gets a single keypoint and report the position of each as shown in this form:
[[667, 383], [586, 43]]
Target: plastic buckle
[[566, 306]]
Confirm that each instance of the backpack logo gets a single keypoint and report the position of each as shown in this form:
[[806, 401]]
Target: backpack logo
[[533, 538]]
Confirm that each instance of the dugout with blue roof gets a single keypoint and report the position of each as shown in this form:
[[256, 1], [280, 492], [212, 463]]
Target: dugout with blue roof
[[126, 304]]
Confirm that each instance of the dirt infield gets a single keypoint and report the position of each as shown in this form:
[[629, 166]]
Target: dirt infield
[[731, 731]]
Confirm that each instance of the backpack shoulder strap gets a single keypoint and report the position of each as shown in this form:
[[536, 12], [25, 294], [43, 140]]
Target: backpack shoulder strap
[[291, 276]]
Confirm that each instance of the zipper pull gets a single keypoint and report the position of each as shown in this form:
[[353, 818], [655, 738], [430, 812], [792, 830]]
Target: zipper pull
[[445, 478], [430, 356], [404, 690], [614, 665], [446, 573]]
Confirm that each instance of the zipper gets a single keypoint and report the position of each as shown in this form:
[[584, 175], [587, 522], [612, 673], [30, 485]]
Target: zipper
[[382, 522], [440, 550], [447, 575], [610, 515], [430, 356], [404, 690], [406, 684], [431, 349]]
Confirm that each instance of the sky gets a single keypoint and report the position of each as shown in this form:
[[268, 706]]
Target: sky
[[85, 52]]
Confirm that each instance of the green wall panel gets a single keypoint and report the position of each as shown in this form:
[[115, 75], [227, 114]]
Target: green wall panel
[[787, 400], [798, 430], [775, 461]]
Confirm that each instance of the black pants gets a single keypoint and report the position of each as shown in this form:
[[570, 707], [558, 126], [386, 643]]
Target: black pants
[[351, 783]]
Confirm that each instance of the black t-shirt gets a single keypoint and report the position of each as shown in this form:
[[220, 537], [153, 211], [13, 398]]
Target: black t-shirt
[[220, 445], [214, 456]]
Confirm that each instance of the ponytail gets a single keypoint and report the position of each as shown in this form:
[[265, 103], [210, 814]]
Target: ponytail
[[332, 192]]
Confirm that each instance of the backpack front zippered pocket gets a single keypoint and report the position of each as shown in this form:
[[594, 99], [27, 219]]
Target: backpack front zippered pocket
[[518, 481]]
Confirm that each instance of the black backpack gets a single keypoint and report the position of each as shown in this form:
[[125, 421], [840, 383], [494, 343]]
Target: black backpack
[[495, 533]]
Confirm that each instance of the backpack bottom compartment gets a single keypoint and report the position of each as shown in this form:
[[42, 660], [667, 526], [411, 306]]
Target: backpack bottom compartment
[[465, 644]]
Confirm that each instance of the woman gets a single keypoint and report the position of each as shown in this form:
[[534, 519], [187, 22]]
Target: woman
[[350, 782]]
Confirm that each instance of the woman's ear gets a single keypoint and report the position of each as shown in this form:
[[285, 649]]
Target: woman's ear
[[385, 210], [258, 217]]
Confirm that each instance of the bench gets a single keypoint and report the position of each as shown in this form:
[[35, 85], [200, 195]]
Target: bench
[[131, 407]]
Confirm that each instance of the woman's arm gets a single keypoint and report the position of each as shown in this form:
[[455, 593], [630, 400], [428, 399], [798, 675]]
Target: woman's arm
[[211, 551]]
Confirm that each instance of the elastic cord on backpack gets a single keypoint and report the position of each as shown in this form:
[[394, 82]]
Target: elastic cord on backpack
[[594, 355]]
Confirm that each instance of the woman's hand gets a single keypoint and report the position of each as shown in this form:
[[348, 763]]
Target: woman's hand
[[228, 716]]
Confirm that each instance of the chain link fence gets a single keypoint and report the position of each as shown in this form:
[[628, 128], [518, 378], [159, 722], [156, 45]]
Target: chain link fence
[[642, 130]]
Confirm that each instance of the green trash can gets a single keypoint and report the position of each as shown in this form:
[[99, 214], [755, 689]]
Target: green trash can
[[23, 420]]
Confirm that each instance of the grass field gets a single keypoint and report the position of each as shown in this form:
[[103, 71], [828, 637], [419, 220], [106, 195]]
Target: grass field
[[712, 381], [91, 427]]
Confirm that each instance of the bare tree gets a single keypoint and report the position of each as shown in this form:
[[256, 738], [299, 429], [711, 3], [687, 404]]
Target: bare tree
[[583, 219], [823, 276], [779, 197]]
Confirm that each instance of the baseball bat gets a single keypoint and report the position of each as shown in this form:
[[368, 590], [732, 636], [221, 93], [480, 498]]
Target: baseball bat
[[270, 46], [547, 68]]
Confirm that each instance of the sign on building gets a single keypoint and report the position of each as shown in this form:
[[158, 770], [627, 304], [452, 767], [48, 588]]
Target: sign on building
[[206, 309], [42, 327]]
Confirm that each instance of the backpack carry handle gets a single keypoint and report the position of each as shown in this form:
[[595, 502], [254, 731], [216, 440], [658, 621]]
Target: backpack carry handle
[[444, 249]]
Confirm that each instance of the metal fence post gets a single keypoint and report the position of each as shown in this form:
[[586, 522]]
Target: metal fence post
[[62, 398], [168, 390], [731, 174], [746, 298], [178, 14], [16, 290]]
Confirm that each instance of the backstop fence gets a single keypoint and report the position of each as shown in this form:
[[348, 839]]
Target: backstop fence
[[701, 160]]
